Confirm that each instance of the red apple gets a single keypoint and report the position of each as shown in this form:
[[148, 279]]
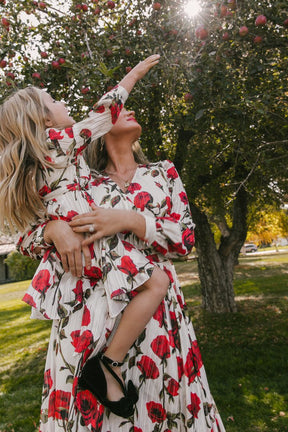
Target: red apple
[[260, 20], [5, 22], [156, 6], [94, 1], [85, 90], [243, 31], [128, 69], [42, 5], [285, 23], [110, 4], [223, 11], [225, 36], [10, 75], [258, 39], [188, 97], [139, 32], [36, 75], [108, 53], [55, 64], [84, 7], [201, 33], [3, 63], [3, 2], [61, 60], [128, 52], [97, 10], [43, 54], [78, 6]]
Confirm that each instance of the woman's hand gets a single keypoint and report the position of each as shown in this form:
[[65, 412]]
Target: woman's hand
[[107, 222], [139, 71], [69, 246]]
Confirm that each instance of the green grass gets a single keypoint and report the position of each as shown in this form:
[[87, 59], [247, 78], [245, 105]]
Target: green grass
[[245, 354]]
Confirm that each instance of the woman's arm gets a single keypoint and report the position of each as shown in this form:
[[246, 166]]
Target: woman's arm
[[56, 234]]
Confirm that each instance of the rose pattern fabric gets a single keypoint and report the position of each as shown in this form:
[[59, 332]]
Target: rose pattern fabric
[[66, 192], [165, 362]]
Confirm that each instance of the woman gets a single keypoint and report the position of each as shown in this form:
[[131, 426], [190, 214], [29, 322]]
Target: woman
[[164, 363]]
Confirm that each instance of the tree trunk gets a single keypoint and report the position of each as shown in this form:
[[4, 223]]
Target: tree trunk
[[216, 267]]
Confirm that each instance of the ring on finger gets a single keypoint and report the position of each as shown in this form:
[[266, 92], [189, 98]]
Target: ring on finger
[[92, 228]]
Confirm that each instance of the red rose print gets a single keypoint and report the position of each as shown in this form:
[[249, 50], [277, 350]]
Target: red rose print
[[183, 198], [98, 181], [115, 109], [159, 249], [29, 300], [44, 190], [75, 386], [127, 266], [133, 187], [159, 315], [188, 239], [81, 342], [160, 346], [168, 204], [100, 109], [69, 132], [127, 246], [85, 133], [136, 429], [40, 282], [72, 186], [156, 412], [78, 291], [86, 318], [175, 216], [154, 258], [172, 173], [48, 159], [142, 200], [90, 409], [178, 248], [194, 407], [55, 135], [193, 362], [59, 402], [148, 367], [48, 382], [174, 333], [180, 367], [70, 215], [173, 387], [94, 274]]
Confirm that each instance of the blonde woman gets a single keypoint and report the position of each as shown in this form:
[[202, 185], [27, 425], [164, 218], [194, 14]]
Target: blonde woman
[[165, 362], [43, 174]]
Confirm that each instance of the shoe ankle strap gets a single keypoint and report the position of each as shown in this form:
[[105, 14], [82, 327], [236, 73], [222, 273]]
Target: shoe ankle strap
[[111, 362]]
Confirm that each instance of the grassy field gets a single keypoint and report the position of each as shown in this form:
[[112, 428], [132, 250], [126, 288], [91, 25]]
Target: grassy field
[[245, 354]]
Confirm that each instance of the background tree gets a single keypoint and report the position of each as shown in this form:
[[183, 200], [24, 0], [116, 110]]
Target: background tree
[[216, 104]]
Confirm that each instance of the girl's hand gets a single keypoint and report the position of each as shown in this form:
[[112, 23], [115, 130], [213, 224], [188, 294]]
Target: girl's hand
[[139, 71], [107, 222], [69, 246]]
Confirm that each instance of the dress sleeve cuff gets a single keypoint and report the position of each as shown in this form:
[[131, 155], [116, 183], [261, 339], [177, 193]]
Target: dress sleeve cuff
[[150, 233], [123, 93]]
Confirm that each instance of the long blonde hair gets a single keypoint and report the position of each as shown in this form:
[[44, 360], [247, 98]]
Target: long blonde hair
[[96, 154], [23, 148]]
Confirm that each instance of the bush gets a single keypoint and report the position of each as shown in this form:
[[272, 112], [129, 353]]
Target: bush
[[21, 267]]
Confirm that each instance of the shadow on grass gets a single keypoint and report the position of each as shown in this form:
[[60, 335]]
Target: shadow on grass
[[245, 357]]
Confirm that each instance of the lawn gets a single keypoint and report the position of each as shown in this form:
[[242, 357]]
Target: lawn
[[245, 354]]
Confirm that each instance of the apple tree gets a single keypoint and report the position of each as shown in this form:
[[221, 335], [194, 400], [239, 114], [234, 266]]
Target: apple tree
[[216, 104]]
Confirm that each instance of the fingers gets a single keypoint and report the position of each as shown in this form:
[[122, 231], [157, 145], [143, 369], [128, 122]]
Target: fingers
[[87, 256]]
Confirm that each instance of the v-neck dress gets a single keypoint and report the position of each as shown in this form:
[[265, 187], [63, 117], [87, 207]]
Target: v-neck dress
[[165, 362], [65, 187]]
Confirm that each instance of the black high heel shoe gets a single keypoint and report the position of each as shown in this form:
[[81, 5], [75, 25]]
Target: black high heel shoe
[[92, 378]]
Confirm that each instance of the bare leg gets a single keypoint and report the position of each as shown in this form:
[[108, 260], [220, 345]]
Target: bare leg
[[134, 320]]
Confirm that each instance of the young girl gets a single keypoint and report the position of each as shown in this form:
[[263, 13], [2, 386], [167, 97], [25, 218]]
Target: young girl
[[43, 175]]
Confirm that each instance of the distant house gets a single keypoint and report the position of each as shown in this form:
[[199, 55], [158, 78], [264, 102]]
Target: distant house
[[6, 246]]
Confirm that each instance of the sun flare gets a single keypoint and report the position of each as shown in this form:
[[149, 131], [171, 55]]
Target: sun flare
[[192, 8]]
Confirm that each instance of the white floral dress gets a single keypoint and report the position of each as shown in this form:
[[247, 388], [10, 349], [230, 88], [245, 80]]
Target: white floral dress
[[165, 362], [66, 191]]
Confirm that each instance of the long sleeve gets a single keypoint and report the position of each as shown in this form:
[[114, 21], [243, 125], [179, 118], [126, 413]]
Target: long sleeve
[[31, 242]]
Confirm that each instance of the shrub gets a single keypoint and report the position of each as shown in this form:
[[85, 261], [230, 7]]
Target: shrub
[[21, 267]]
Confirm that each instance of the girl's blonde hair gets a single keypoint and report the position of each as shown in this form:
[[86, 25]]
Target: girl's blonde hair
[[96, 155], [23, 148]]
